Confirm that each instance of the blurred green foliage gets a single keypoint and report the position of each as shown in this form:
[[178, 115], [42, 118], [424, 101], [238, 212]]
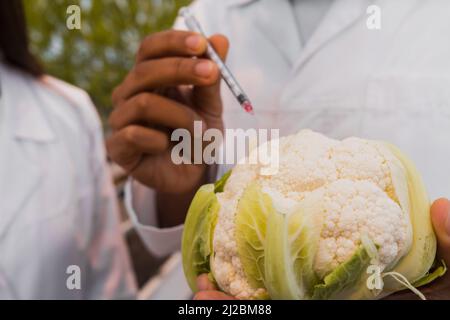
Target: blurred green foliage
[[97, 57]]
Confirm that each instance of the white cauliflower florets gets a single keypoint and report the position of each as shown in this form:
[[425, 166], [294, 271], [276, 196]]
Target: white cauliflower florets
[[351, 209], [357, 197]]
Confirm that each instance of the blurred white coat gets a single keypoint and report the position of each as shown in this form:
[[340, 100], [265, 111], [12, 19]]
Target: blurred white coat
[[58, 210]]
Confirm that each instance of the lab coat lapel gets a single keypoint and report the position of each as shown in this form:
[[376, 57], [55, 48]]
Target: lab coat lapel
[[24, 123], [29, 120], [275, 19], [20, 178], [342, 14]]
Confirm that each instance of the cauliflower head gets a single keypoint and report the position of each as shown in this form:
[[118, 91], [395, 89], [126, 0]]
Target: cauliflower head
[[311, 230]]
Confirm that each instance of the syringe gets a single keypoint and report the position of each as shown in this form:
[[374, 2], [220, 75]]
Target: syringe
[[193, 25]]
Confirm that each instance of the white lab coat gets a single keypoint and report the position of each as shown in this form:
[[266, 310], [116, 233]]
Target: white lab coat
[[391, 84], [58, 205]]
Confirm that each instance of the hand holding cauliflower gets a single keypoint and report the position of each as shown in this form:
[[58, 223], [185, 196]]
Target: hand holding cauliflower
[[312, 230]]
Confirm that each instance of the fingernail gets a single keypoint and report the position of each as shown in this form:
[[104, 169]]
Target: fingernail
[[193, 42], [204, 69]]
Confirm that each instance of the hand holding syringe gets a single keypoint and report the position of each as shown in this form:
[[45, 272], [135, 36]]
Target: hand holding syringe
[[238, 92]]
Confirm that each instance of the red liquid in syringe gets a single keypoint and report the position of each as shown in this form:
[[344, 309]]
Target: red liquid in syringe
[[247, 106]]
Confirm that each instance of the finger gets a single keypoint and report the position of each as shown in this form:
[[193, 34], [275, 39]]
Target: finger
[[207, 98], [153, 74], [171, 43], [127, 146], [440, 216], [212, 295], [203, 283], [220, 44], [153, 110]]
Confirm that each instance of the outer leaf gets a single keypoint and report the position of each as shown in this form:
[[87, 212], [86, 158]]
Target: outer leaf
[[291, 244], [346, 275], [423, 250], [219, 186], [252, 212], [433, 275], [197, 235]]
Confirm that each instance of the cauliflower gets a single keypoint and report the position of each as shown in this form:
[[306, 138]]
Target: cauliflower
[[298, 233]]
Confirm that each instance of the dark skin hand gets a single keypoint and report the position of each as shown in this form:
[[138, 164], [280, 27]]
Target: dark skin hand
[[167, 89], [437, 290]]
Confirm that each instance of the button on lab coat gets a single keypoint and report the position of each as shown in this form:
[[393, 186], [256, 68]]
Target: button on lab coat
[[391, 84], [58, 207]]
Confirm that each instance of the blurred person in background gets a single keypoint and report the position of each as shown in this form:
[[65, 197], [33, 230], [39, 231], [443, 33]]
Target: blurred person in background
[[304, 64], [58, 210]]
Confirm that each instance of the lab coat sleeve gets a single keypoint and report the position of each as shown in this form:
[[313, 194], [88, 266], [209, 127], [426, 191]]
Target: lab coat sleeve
[[109, 272], [141, 206]]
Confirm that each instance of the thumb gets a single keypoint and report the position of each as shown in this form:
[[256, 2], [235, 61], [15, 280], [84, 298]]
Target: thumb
[[440, 216], [207, 99], [203, 283]]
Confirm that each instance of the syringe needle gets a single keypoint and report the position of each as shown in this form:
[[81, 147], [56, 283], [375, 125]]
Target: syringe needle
[[230, 80]]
